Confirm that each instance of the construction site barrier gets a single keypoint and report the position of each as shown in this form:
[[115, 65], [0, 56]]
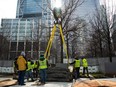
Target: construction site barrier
[[91, 69], [6, 70]]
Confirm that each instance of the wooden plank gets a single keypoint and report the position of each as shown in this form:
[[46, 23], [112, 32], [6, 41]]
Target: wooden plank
[[94, 83], [7, 82]]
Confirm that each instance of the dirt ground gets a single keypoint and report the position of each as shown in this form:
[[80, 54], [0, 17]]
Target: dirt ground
[[95, 83]]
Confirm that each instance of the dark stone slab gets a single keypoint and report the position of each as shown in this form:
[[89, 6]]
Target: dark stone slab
[[59, 74], [62, 65]]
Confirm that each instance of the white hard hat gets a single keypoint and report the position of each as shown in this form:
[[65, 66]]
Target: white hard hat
[[23, 53]]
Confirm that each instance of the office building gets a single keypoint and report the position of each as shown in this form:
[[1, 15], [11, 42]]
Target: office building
[[32, 24], [22, 35], [88, 8], [29, 32], [37, 9], [86, 11]]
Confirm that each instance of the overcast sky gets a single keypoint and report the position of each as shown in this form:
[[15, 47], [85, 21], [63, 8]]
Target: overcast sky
[[7, 9]]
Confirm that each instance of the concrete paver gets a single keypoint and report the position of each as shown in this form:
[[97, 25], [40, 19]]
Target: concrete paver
[[48, 84]]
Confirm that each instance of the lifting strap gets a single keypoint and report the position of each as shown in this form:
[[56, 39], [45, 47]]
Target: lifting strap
[[47, 52], [64, 44]]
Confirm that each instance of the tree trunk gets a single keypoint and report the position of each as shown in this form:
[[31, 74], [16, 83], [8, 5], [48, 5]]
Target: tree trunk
[[67, 44], [101, 50], [61, 61], [110, 50]]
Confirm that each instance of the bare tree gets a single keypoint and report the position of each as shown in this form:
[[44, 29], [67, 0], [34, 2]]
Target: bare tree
[[39, 37], [68, 19], [74, 32], [4, 48], [96, 38], [70, 22], [103, 25]]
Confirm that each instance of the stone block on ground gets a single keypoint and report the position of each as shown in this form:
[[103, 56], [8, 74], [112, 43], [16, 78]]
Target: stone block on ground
[[59, 74]]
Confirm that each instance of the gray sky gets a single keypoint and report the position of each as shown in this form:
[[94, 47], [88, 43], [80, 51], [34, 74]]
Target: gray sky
[[7, 9]]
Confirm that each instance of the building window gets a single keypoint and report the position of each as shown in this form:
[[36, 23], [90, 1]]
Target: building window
[[13, 46], [13, 55], [28, 46], [21, 46]]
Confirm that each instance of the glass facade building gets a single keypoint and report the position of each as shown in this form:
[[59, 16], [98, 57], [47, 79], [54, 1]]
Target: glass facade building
[[23, 35], [29, 8], [29, 32], [32, 25], [87, 9], [37, 9]]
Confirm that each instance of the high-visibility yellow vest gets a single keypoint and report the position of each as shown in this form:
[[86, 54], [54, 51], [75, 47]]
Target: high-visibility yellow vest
[[35, 65], [29, 66], [32, 66], [43, 64], [85, 63], [77, 63]]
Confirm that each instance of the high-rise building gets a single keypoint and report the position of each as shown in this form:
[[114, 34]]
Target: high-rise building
[[34, 9], [86, 11], [88, 8], [21, 34], [33, 21], [29, 31], [29, 8]]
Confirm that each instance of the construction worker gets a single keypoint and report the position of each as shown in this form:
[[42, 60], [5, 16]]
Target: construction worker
[[42, 66], [35, 69], [85, 66], [29, 73], [21, 62], [76, 67]]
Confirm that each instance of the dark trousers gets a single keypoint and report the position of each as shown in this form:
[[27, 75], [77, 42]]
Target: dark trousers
[[15, 73], [43, 75], [29, 74], [85, 68], [21, 75], [77, 73], [35, 73]]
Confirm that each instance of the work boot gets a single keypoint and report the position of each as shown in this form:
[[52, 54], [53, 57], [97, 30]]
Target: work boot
[[32, 80], [23, 84], [42, 83], [27, 80]]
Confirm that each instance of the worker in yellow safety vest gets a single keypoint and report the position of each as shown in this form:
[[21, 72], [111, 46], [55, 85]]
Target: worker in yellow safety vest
[[42, 66], [29, 73], [35, 70], [76, 68], [85, 66], [21, 62]]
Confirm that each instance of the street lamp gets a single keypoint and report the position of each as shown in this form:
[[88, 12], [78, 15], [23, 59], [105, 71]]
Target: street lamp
[[57, 11]]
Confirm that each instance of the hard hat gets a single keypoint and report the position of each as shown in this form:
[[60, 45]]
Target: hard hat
[[23, 53]]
